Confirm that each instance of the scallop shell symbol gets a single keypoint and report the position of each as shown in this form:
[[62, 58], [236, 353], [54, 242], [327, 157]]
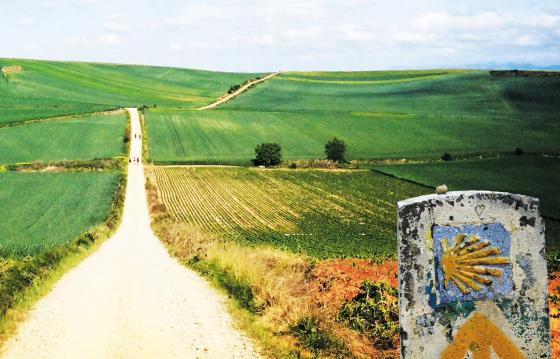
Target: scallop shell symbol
[[465, 263]]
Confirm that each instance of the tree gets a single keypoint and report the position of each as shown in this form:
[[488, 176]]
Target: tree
[[335, 150], [268, 154]]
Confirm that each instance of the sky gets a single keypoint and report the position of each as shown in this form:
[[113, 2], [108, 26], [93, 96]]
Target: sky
[[273, 35]]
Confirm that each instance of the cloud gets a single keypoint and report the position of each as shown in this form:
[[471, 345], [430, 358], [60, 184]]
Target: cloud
[[25, 21], [413, 37], [290, 10], [114, 27], [30, 47], [289, 38], [110, 39], [197, 13], [445, 21], [355, 33], [176, 46], [76, 41], [48, 4]]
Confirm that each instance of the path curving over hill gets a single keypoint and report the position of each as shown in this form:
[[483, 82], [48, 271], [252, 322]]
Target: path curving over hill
[[238, 92], [130, 299]]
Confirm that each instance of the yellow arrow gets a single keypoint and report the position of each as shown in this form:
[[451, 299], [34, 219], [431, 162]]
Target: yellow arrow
[[478, 335]]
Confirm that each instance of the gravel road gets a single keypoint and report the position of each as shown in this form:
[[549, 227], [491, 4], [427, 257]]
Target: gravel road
[[130, 299]]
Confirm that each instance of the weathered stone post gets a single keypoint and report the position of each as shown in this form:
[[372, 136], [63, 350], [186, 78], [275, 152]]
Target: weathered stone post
[[472, 277]]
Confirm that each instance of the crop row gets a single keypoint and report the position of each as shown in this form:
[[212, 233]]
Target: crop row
[[324, 214]]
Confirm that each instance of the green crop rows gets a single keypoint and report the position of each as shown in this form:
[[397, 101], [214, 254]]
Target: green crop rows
[[43, 210], [321, 213]]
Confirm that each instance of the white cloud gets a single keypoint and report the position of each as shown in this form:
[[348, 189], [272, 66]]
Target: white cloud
[[444, 21], [413, 37], [30, 47], [196, 13], [76, 41], [25, 21], [114, 27], [290, 37], [291, 9], [355, 33], [110, 39], [176, 46], [48, 4]]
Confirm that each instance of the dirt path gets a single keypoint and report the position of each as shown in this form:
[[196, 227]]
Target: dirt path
[[130, 299], [239, 91]]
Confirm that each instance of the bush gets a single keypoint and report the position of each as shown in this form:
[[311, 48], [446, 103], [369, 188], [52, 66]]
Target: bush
[[233, 88], [373, 312], [335, 150], [446, 157], [292, 165], [309, 334], [518, 151], [268, 154]]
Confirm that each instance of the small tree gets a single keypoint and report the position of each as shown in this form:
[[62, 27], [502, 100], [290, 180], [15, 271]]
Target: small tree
[[268, 154], [447, 157], [335, 150]]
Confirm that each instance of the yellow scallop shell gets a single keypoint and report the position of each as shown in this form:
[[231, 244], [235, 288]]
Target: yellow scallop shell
[[464, 263]]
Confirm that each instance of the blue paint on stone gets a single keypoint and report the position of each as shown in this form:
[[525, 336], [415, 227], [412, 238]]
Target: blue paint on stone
[[494, 233]]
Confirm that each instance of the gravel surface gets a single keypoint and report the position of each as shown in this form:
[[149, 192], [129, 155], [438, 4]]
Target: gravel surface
[[130, 299]]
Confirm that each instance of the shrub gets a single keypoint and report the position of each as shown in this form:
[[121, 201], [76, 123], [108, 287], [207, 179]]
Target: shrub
[[268, 154], [518, 151], [446, 157], [233, 88], [335, 150], [373, 312], [308, 333], [292, 165]]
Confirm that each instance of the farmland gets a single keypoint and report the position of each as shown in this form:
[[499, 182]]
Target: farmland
[[530, 175], [49, 88], [43, 210], [83, 138], [395, 114], [316, 212]]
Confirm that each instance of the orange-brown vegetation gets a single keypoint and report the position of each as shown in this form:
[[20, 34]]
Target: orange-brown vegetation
[[554, 292]]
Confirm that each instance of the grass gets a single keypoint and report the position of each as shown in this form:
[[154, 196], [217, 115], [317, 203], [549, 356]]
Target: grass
[[392, 114], [50, 88], [82, 138], [41, 211], [320, 213]]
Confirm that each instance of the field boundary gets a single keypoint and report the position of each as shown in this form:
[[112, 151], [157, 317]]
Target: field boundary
[[238, 92], [108, 112]]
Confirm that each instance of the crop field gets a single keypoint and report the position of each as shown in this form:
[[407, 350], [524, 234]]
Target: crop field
[[83, 138], [320, 213], [43, 210], [49, 88], [395, 114], [530, 175], [231, 136], [451, 93]]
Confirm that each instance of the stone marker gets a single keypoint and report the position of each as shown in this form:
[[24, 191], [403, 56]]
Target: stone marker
[[472, 277]]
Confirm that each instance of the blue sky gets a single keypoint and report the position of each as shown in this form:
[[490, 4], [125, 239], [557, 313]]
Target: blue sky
[[249, 35]]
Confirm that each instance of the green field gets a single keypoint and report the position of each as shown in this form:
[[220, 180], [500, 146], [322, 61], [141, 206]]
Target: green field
[[317, 212], [43, 210], [49, 88], [82, 138], [530, 175], [411, 114]]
